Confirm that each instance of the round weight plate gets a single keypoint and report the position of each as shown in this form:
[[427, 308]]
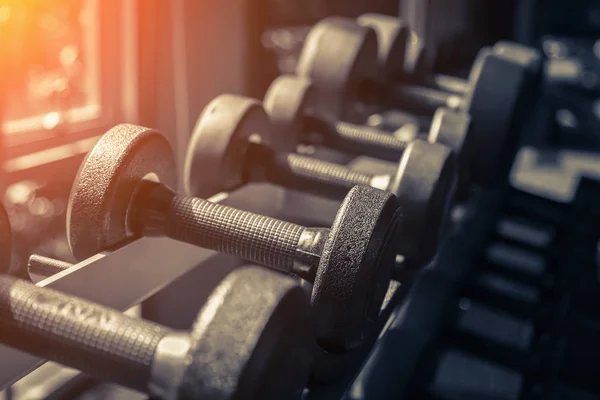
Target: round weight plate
[[453, 129], [106, 182], [338, 55], [355, 268], [216, 151], [287, 100], [493, 105], [5, 242], [424, 186], [252, 339], [393, 35]]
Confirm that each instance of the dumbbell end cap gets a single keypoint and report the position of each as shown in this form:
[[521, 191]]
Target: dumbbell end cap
[[258, 325], [216, 155], [355, 268], [107, 180]]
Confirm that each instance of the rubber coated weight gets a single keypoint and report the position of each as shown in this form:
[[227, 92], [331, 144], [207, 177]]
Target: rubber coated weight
[[497, 85], [424, 187], [393, 37], [337, 56], [217, 147], [155, 210], [453, 129], [252, 339], [356, 253], [107, 179], [287, 101], [5, 242]]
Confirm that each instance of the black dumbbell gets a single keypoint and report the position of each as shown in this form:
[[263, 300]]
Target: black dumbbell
[[234, 138], [252, 339], [341, 58], [290, 104], [122, 190]]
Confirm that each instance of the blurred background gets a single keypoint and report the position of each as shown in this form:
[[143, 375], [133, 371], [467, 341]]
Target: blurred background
[[71, 69]]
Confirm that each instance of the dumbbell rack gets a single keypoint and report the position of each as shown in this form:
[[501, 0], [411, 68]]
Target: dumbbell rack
[[426, 314], [557, 360]]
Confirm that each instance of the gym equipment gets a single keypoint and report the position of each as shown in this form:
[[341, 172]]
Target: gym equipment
[[340, 57], [122, 190], [290, 102], [234, 134], [239, 333], [401, 55]]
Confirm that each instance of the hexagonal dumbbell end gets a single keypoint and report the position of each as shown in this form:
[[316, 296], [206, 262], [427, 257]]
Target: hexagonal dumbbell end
[[252, 339]]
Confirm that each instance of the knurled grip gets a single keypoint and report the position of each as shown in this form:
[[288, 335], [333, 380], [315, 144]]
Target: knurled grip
[[365, 135], [99, 341], [323, 171], [252, 237]]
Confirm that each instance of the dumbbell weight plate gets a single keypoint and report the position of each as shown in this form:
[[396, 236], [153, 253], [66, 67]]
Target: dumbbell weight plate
[[393, 37], [270, 335], [359, 251], [325, 59], [424, 185], [497, 85], [215, 158], [102, 191], [286, 102]]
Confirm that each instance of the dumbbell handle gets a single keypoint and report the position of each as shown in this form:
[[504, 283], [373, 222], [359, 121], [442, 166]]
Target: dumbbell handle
[[356, 139], [96, 340], [306, 174], [267, 241]]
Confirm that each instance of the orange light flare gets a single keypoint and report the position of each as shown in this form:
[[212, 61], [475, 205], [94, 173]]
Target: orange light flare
[[33, 34]]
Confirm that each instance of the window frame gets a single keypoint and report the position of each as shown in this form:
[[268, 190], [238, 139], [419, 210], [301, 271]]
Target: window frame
[[117, 59]]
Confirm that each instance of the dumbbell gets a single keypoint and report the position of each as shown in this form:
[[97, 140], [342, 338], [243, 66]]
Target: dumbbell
[[252, 339], [233, 144], [122, 190], [341, 58], [290, 103]]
